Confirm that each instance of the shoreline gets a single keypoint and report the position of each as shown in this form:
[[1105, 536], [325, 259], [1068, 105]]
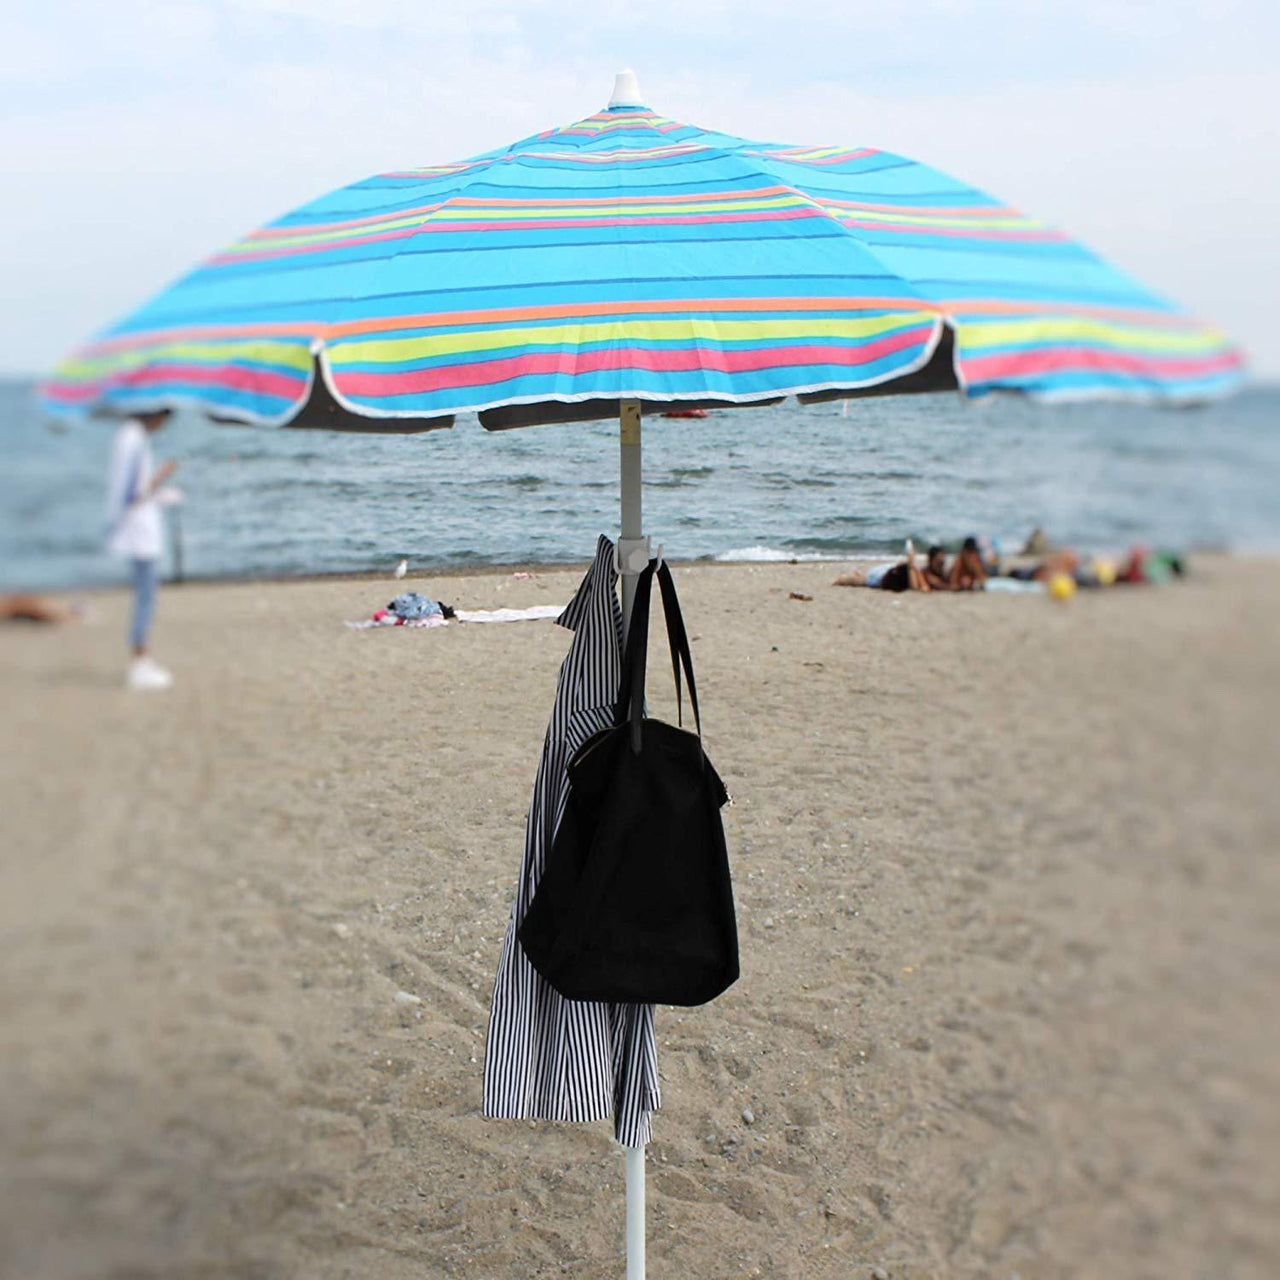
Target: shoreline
[[495, 570], [540, 568]]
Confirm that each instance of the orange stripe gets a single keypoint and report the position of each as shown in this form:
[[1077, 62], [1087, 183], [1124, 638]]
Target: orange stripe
[[656, 306], [475, 202], [753, 193], [500, 315], [928, 210], [569, 310]]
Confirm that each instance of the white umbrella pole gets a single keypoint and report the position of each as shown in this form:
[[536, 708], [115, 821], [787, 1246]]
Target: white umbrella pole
[[634, 1157], [633, 555], [633, 546]]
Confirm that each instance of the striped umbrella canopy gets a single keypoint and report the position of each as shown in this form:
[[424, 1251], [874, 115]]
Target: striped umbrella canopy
[[632, 257]]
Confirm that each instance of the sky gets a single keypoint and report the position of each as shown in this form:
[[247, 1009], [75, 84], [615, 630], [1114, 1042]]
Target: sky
[[139, 136]]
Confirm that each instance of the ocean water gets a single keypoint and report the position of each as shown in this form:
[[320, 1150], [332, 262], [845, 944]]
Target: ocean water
[[790, 482]]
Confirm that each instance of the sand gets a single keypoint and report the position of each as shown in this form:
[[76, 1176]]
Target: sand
[[1007, 880]]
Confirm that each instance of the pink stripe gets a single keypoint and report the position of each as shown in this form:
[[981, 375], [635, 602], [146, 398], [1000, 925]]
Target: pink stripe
[[840, 159], [571, 364], [659, 152], [430, 171], [935, 210], [646, 220], [971, 233], [1092, 359], [632, 124], [796, 155], [290, 251], [265, 382], [531, 224], [71, 392], [610, 157], [267, 234]]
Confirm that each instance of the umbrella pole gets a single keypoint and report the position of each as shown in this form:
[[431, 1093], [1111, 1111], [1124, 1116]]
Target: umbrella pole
[[633, 555], [634, 1157], [633, 546]]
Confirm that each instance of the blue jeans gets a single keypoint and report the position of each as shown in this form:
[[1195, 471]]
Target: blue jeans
[[146, 581]]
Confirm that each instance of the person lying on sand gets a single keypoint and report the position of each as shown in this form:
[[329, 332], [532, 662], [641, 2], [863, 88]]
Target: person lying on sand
[[1064, 562], [24, 607], [935, 569], [1143, 565], [903, 576], [968, 573]]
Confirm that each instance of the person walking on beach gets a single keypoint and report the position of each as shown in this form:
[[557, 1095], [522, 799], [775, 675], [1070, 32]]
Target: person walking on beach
[[135, 494]]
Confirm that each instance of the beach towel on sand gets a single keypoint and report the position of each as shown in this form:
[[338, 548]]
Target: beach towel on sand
[[511, 615], [383, 618]]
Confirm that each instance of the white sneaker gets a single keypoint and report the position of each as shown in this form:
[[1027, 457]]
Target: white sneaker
[[146, 674]]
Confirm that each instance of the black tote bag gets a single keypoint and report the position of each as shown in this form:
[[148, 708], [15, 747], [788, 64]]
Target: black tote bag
[[635, 902]]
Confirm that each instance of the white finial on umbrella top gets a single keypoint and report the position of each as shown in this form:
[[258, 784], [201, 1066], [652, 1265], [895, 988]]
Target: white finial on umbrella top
[[626, 92]]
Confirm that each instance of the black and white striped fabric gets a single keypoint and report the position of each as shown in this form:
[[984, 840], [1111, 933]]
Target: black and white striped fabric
[[548, 1058]]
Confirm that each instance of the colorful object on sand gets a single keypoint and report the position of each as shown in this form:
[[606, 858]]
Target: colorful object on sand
[[1062, 586], [629, 255]]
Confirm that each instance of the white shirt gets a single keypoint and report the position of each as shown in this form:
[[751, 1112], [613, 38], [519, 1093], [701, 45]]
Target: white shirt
[[133, 515]]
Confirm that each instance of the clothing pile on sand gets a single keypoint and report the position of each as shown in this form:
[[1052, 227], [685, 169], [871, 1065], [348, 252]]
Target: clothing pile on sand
[[409, 609]]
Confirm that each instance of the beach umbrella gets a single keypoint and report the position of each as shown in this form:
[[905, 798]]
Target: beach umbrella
[[629, 263]]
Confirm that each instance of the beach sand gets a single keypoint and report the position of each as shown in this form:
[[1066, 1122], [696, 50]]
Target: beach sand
[[1006, 874]]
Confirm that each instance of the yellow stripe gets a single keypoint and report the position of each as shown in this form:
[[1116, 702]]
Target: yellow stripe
[[597, 125], [1016, 224], [254, 245], [1000, 333], [474, 213], [809, 153], [691, 329], [287, 354]]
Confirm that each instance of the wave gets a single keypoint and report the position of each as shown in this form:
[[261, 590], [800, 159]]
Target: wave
[[772, 555]]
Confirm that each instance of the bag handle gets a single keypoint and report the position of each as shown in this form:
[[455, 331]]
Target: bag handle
[[631, 691], [634, 661], [678, 639]]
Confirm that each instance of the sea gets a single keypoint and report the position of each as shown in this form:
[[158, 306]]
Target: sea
[[833, 481]]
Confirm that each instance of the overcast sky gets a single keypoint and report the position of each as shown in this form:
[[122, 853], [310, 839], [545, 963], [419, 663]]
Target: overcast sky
[[137, 136]]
